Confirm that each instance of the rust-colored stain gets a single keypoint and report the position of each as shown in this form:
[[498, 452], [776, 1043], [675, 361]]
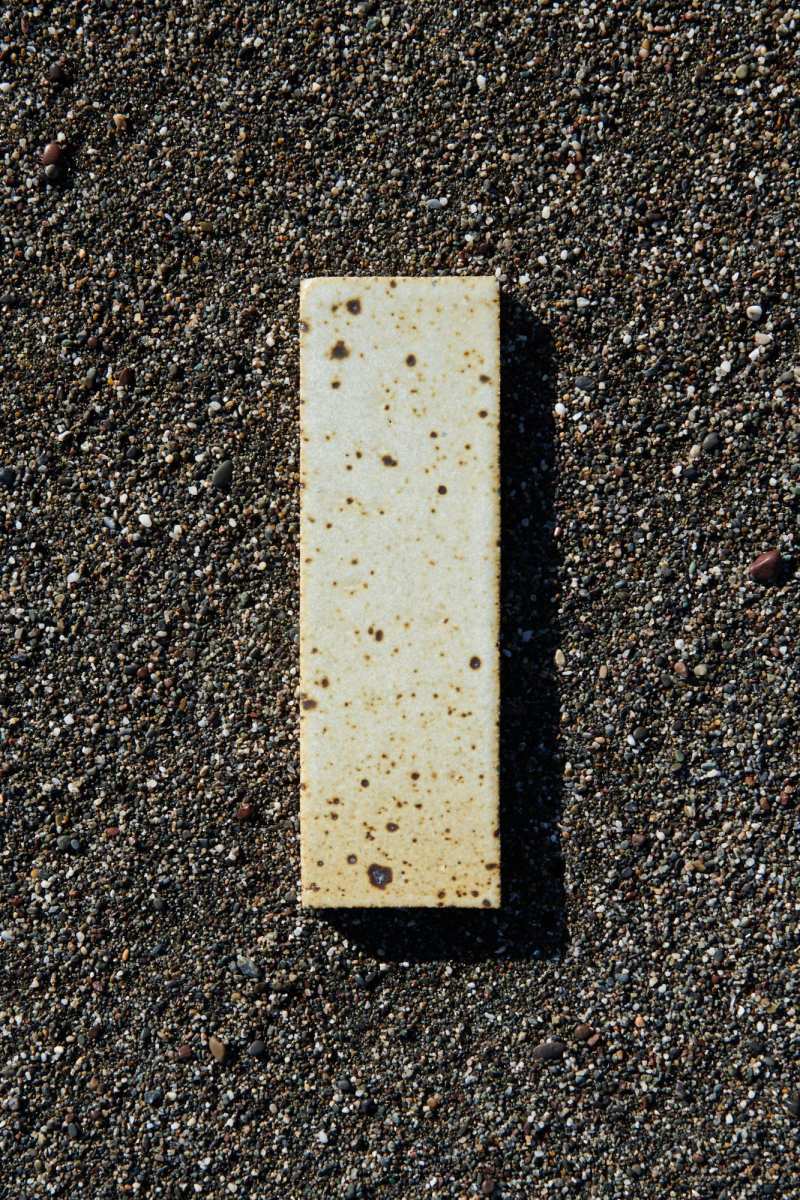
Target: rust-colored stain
[[402, 740]]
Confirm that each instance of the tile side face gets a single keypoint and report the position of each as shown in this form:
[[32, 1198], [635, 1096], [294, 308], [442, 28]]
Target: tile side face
[[399, 592]]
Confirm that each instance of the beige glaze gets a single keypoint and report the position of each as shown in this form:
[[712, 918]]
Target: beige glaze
[[399, 592]]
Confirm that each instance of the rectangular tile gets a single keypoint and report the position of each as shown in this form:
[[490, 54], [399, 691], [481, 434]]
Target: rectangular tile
[[399, 592]]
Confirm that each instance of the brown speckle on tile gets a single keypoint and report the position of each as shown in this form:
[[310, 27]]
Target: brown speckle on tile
[[354, 306], [388, 461], [379, 876], [442, 490], [339, 350], [474, 662], [411, 360]]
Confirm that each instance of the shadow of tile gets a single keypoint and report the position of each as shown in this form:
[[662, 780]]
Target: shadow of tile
[[531, 922]]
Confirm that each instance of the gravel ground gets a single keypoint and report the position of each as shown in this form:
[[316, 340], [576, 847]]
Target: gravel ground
[[171, 1023]]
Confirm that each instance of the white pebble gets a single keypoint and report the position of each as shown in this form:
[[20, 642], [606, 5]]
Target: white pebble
[[754, 312], [481, 82], [145, 520], [560, 409]]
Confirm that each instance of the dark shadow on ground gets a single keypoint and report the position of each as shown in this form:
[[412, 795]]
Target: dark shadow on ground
[[532, 920]]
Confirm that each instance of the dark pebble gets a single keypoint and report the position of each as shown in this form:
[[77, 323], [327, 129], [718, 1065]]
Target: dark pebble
[[57, 74], [245, 812], [126, 377], [256, 1048], [549, 1051], [767, 567], [793, 1104], [223, 476], [712, 442], [8, 477], [52, 153]]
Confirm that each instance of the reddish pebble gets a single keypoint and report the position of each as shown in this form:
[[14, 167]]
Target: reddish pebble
[[184, 1052], [583, 1033], [52, 153], [244, 812], [112, 831], [767, 567], [127, 377]]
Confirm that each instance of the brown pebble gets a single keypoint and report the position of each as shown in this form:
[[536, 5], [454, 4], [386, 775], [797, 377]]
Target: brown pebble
[[126, 377], [52, 153], [184, 1052], [245, 812], [583, 1033], [218, 1049], [57, 74], [638, 840], [767, 567]]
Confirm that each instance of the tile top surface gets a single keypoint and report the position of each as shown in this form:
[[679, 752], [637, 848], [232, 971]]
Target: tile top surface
[[399, 592]]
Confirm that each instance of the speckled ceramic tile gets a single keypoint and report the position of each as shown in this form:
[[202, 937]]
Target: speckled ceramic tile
[[399, 604]]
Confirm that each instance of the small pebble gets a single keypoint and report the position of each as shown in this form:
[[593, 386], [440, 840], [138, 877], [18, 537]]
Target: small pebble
[[256, 1048], [52, 153], [219, 1049], [549, 1051], [767, 568], [754, 312], [223, 476]]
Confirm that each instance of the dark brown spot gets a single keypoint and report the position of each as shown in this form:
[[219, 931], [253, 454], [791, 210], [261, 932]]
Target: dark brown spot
[[339, 350], [354, 306], [309, 704], [324, 682], [483, 413], [442, 490], [415, 774], [483, 378], [474, 662], [352, 858], [487, 904], [365, 783], [336, 383], [411, 360], [433, 433], [391, 826], [378, 635], [379, 876], [388, 461], [392, 283]]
